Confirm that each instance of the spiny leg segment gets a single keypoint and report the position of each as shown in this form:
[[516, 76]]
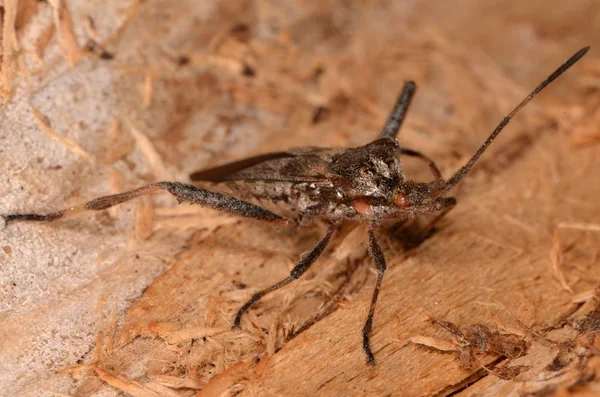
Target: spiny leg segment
[[296, 272], [379, 259], [181, 191], [396, 117]]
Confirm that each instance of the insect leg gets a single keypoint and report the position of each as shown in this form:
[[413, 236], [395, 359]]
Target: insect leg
[[379, 259], [434, 169], [296, 272], [183, 193], [396, 117]]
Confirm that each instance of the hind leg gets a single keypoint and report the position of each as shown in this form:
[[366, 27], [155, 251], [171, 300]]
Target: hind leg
[[183, 193]]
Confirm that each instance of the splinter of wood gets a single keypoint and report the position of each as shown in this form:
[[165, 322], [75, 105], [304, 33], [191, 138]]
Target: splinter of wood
[[363, 184]]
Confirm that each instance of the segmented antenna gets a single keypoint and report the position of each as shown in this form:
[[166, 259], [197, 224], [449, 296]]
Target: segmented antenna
[[463, 171]]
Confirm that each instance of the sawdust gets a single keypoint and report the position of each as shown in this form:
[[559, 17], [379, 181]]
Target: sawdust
[[134, 388], [148, 149], [52, 134], [10, 50], [474, 341], [117, 146], [43, 41], [144, 219], [68, 42], [555, 260], [196, 88]]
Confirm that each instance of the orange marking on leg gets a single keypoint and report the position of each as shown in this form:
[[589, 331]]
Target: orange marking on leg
[[105, 202], [71, 211]]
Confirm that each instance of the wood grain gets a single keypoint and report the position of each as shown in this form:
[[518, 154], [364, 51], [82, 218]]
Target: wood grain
[[501, 300]]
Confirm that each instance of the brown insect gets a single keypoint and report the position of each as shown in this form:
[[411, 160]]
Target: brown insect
[[361, 184]]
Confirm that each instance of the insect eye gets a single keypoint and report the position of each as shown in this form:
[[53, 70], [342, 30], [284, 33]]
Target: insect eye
[[402, 200]]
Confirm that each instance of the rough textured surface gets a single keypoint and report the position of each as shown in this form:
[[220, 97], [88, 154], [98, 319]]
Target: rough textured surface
[[139, 300]]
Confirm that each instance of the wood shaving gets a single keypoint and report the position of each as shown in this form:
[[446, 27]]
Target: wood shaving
[[10, 50], [435, 343], [68, 42], [175, 382], [144, 219], [147, 147], [556, 263], [132, 387], [43, 40], [149, 77], [117, 147], [67, 143]]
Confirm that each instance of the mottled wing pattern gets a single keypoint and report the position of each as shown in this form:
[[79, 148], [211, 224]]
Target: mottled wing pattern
[[296, 165]]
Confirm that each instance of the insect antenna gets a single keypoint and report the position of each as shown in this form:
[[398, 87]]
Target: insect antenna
[[463, 171]]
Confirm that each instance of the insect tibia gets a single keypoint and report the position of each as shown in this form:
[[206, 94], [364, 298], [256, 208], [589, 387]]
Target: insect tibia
[[32, 217]]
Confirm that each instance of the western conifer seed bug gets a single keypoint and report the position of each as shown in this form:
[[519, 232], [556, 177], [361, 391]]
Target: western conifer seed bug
[[364, 184]]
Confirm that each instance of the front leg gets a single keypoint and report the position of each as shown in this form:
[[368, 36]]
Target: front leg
[[379, 259], [181, 191]]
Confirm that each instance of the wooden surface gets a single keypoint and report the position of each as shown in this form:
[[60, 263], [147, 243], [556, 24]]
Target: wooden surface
[[140, 300]]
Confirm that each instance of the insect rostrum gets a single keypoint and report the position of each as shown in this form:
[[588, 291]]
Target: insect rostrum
[[364, 184]]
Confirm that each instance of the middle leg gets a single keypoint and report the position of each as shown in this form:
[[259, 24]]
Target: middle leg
[[296, 272], [379, 259], [434, 169]]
